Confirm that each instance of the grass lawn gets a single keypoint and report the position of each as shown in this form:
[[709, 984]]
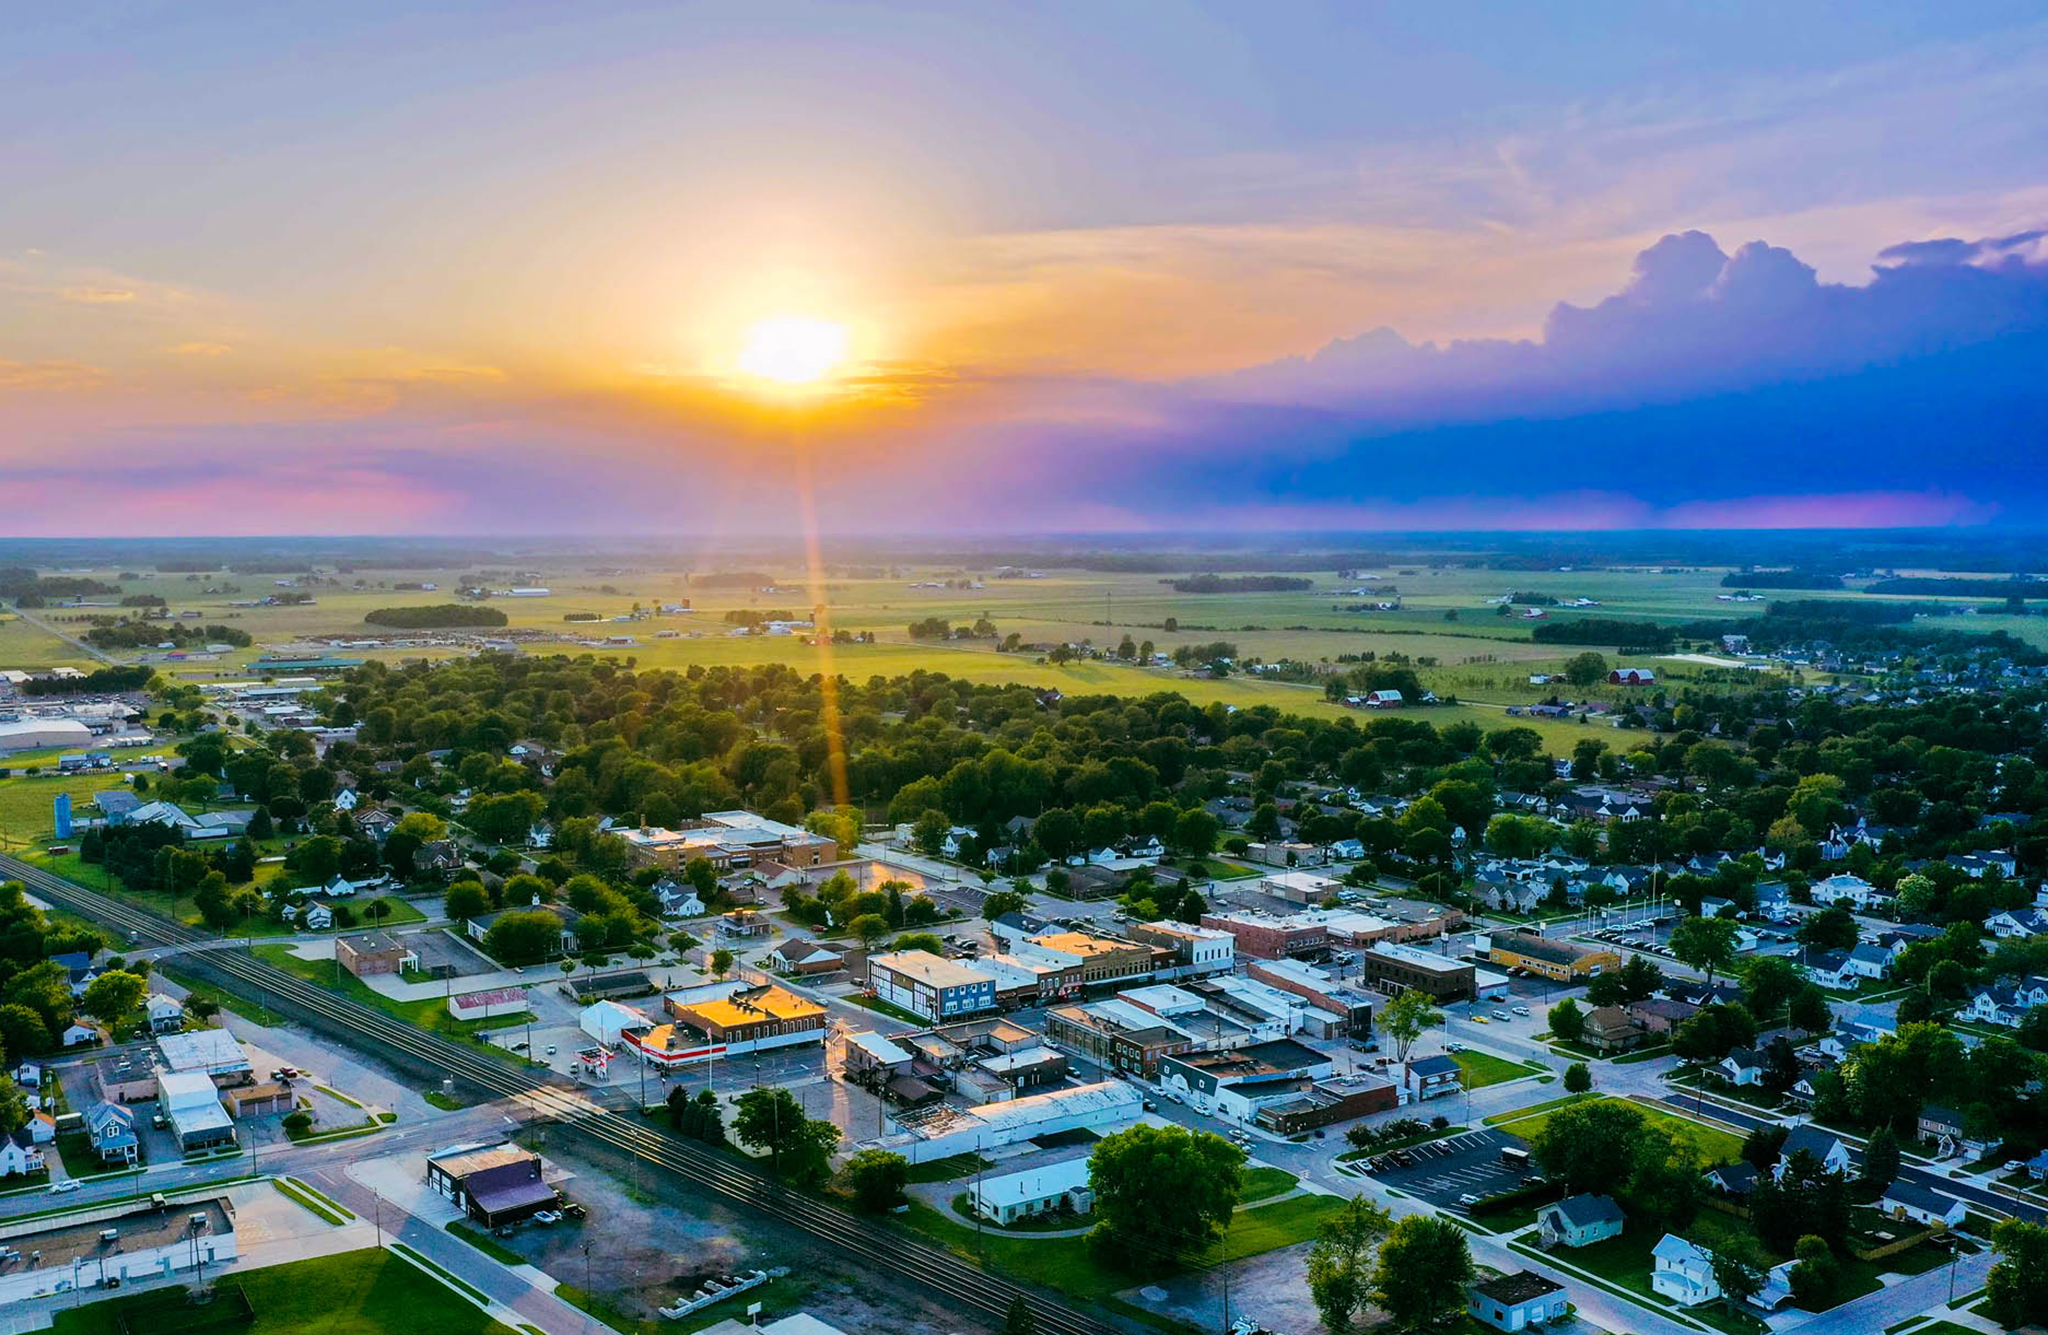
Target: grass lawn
[[1714, 1145], [1945, 1328], [1624, 1263], [1483, 1068], [1071, 1266], [881, 1007], [430, 1014], [367, 1292], [948, 1168], [1265, 1182], [294, 1190], [1518, 1114], [485, 1243]]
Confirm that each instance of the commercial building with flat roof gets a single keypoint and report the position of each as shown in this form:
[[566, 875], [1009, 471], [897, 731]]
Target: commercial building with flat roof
[[1559, 961], [1393, 967], [1196, 950], [1348, 1011], [45, 1257], [1116, 1033], [1269, 936], [926, 985]]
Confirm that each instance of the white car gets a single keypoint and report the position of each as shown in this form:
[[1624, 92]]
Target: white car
[[1521, 1010], [59, 1188], [547, 1216]]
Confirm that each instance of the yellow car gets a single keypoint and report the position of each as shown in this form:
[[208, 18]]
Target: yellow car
[[1481, 1019]]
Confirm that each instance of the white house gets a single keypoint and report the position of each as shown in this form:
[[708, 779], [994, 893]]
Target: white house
[[348, 799], [82, 1032], [2016, 923], [1054, 1189], [166, 1014], [1743, 1066], [1683, 1272], [1909, 1200], [19, 1156], [1860, 893], [1828, 1149]]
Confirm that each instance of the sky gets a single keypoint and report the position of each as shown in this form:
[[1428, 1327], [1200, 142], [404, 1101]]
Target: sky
[[477, 268]]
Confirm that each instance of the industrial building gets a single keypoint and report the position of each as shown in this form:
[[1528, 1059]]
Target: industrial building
[[38, 1258]]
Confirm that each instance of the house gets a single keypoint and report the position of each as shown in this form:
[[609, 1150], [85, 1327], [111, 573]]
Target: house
[[1830, 1151], [678, 901], [18, 1155], [1516, 1301], [1682, 1272], [377, 824], [1611, 1029], [1868, 961], [1426, 1078], [1910, 1200], [2017, 923], [316, 917], [1743, 1066], [1733, 1179], [1937, 1122], [166, 1014], [111, 1129], [1577, 1221], [81, 1033], [1659, 1017], [42, 1128], [1832, 970], [348, 799], [800, 957], [1860, 893]]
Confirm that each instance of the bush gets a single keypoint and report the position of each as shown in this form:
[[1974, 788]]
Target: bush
[[298, 1123]]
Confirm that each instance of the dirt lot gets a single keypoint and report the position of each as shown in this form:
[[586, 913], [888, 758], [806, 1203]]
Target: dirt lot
[[1268, 1286], [654, 1240]]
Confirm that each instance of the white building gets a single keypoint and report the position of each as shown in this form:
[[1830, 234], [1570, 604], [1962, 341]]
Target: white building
[[1052, 1189], [147, 1244], [1683, 1272], [1110, 1105], [189, 1100], [605, 1021]]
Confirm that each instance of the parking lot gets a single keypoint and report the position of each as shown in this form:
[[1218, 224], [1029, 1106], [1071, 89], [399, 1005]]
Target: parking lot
[[1443, 1172]]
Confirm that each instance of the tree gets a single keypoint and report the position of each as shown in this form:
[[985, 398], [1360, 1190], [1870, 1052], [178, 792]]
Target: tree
[[699, 1118], [1161, 1192], [524, 936], [1705, 943], [113, 994], [999, 902], [1739, 1266], [1769, 982], [1760, 1148], [1407, 1017], [1340, 1264], [465, 900], [721, 962], [1195, 833], [871, 928], [1816, 1276], [1423, 1269], [1577, 1078], [928, 832], [1567, 1020], [1589, 1146], [877, 1178], [1881, 1158], [2017, 1287], [1830, 929], [1586, 669], [1810, 1009], [773, 1120], [1018, 1320]]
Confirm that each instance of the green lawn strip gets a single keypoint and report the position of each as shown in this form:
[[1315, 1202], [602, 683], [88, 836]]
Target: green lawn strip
[[365, 1128], [199, 989], [399, 915], [1945, 1328], [367, 1292], [881, 1007], [430, 1014], [484, 1243], [337, 1094], [1264, 1183], [1643, 1055], [449, 1277], [1402, 1143], [948, 1168], [1909, 1322], [606, 1311], [313, 1199], [1483, 1068], [436, 1099], [1519, 1114]]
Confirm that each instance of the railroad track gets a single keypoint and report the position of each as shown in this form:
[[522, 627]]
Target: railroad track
[[886, 1248]]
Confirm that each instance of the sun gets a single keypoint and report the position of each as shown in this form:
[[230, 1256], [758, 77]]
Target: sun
[[793, 349]]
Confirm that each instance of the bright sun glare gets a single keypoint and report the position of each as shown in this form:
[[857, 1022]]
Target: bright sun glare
[[794, 349]]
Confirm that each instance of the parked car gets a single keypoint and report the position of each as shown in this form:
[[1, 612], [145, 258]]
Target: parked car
[[59, 1188], [1500, 1015], [547, 1216], [1521, 1010]]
